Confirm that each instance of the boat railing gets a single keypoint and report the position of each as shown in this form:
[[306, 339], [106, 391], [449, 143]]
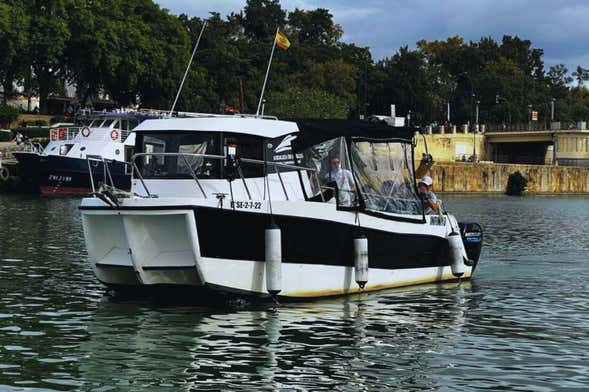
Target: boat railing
[[107, 176], [238, 162], [34, 147]]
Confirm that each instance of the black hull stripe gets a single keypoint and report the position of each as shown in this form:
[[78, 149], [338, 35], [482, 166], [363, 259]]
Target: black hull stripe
[[169, 267], [114, 266], [238, 235]]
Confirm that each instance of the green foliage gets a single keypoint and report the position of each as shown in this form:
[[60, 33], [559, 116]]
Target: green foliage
[[32, 132], [261, 17], [306, 103], [135, 52], [516, 184], [8, 114], [5, 136]]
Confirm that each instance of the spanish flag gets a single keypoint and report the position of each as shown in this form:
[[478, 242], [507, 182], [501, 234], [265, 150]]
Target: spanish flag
[[282, 40]]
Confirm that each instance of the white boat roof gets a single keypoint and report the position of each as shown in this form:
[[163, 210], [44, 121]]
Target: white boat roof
[[268, 128]]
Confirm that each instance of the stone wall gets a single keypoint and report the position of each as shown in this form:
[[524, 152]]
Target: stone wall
[[492, 177], [450, 147]]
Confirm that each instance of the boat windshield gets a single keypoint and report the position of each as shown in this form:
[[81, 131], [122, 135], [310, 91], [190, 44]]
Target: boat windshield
[[384, 176], [332, 165], [179, 166]]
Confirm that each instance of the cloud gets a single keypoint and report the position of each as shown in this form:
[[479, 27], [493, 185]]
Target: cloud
[[560, 28]]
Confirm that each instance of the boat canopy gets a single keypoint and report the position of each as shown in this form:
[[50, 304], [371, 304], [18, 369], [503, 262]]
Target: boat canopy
[[265, 128], [370, 165], [313, 132]]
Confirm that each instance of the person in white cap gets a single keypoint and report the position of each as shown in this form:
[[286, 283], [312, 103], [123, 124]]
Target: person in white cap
[[428, 198]]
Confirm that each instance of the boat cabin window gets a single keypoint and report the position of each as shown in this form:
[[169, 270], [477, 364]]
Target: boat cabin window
[[107, 123], [333, 176], [133, 124], [186, 148], [385, 178], [244, 146], [65, 148]]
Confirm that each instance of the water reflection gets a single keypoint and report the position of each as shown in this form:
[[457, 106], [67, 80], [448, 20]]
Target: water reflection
[[360, 342]]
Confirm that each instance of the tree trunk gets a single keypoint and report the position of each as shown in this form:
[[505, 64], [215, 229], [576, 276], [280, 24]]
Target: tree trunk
[[44, 83], [7, 90]]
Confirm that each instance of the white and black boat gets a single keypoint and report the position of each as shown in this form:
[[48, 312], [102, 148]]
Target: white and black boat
[[62, 167], [258, 206]]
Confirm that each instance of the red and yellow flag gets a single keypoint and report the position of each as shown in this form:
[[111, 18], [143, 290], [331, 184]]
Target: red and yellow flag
[[282, 40]]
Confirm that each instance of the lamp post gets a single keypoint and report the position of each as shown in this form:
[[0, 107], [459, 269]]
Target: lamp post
[[529, 117], [474, 132], [552, 109]]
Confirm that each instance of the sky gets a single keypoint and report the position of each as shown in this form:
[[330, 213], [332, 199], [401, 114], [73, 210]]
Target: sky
[[561, 28]]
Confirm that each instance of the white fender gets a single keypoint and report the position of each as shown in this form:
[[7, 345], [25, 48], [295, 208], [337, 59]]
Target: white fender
[[273, 254], [361, 260], [456, 251]]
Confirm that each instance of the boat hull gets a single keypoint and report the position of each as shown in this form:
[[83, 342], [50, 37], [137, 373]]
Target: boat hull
[[223, 249], [61, 175]]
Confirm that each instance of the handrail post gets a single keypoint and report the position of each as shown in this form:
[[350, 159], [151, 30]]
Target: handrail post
[[91, 176], [135, 168], [107, 170], [281, 182], [194, 175], [243, 180]]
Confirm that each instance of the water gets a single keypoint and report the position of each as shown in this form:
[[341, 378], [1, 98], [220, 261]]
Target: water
[[522, 324]]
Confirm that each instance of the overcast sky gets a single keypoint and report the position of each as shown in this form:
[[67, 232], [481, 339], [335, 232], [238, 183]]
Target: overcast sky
[[561, 28]]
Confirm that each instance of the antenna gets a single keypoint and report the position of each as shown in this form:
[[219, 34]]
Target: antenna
[[188, 68]]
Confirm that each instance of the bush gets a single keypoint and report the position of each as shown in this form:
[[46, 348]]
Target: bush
[[30, 133], [516, 184], [41, 123], [60, 119], [5, 136], [7, 115]]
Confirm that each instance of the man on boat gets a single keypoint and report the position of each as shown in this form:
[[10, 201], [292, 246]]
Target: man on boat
[[345, 182], [428, 198]]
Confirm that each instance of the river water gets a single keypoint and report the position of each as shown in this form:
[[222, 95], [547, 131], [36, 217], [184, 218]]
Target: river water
[[522, 324]]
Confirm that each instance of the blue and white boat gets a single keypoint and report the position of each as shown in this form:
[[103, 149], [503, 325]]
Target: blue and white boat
[[63, 167]]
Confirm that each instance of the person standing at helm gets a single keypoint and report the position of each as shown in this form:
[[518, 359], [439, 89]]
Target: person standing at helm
[[429, 200], [344, 180]]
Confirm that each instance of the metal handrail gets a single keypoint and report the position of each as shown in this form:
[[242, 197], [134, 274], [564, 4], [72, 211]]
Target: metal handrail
[[210, 156]]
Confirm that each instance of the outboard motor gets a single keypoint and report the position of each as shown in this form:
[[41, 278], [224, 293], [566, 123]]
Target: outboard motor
[[472, 238]]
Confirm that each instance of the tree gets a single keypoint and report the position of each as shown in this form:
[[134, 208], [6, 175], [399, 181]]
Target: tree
[[48, 38], [306, 103], [14, 24], [581, 75], [315, 26], [262, 17]]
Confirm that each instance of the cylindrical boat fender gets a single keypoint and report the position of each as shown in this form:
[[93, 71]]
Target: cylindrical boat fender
[[361, 260], [456, 254], [273, 254]]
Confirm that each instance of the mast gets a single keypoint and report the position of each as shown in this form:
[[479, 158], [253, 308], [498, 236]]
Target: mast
[[187, 68]]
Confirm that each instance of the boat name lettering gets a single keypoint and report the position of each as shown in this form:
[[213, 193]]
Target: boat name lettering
[[247, 205], [60, 178]]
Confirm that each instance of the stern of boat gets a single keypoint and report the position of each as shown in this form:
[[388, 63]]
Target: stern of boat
[[133, 247]]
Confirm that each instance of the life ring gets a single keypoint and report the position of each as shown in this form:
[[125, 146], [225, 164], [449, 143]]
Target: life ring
[[85, 131], [114, 134], [4, 173], [54, 135]]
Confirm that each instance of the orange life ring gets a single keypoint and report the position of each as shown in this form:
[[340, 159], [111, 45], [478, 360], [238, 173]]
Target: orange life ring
[[114, 135], [85, 131], [62, 133], [53, 134]]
